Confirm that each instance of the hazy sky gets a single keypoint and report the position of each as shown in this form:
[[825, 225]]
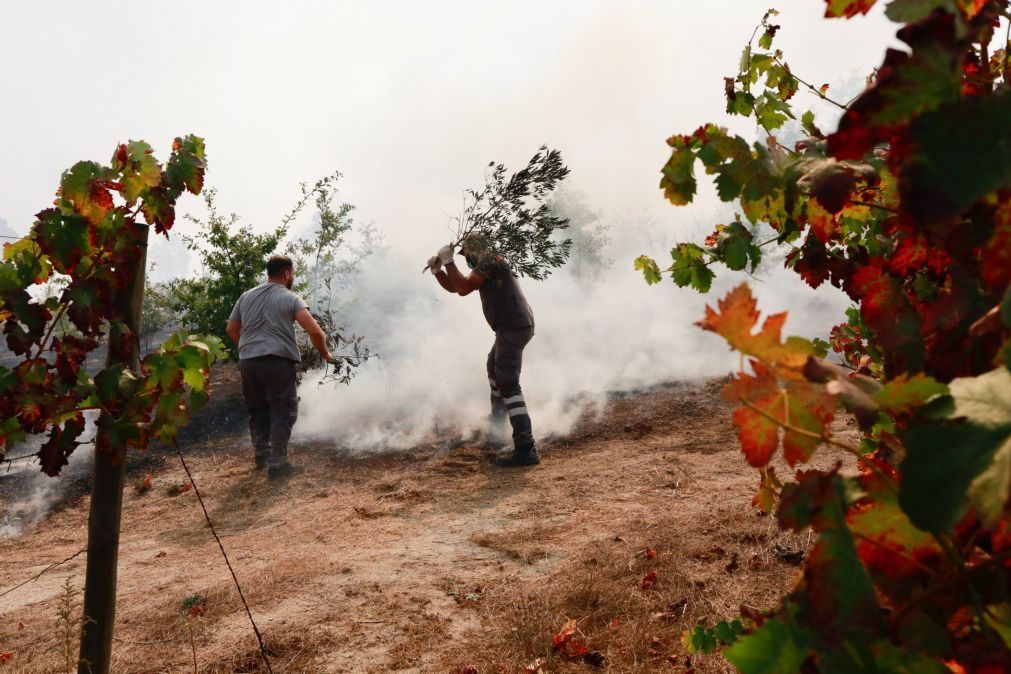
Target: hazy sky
[[410, 100]]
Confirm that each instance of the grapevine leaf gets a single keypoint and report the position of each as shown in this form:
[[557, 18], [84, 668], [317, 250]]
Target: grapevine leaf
[[735, 321], [908, 11], [728, 632], [116, 435], [64, 238], [30, 321], [807, 121], [757, 429], [773, 648], [62, 441], [115, 384], [678, 181], [811, 261], [170, 414], [847, 8], [772, 112], [995, 254], [768, 490], [887, 541], [923, 633], [950, 164], [89, 304], [989, 492], [701, 640], [185, 168], [197, 399], [985, 400], [733, 244], [649, 268], [84, 189], [690, 267], [158, 209], [215, 347], [163, 371], [140, 170], [907, 85], [904, 394], [941, 463], [999, 618], [881, 657], [838, 586], [28, 262], [11, 432], [823, 224], [195, 362], [798, 447], [886, 311]]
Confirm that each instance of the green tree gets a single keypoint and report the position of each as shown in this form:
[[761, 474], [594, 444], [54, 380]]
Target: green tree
[[323, 271], [233, 258]]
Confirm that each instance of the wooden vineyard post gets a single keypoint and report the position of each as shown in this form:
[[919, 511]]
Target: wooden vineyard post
[[107, 487]]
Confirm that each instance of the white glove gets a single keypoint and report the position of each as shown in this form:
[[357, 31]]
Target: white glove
[[446, 254], [434, 264]]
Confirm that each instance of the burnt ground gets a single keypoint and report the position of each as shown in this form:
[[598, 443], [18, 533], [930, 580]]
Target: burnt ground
[[429, 560]]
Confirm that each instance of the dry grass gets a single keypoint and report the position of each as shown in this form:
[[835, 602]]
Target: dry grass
[[432, 560], [635, 629]]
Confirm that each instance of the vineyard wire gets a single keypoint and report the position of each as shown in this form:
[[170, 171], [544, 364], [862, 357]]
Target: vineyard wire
[[42, 572], [210, 524]]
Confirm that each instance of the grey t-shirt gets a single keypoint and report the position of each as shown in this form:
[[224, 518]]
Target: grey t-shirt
[[267, 313], [505, 307]]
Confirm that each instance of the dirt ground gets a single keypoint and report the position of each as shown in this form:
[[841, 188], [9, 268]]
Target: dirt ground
[[430, 560]]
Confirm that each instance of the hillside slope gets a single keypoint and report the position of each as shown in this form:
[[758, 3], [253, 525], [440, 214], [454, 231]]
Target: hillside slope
[[431, 560]]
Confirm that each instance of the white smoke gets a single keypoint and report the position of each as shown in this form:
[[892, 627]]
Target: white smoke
[[592, 337], [37, 493]]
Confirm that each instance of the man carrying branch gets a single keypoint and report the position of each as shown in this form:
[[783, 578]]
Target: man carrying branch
[[509, 315], [262, 326]]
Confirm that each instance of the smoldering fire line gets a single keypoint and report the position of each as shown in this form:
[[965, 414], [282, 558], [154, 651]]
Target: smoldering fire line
[[593, 336]]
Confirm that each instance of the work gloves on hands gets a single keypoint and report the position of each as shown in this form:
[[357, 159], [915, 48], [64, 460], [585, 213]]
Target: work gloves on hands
[[443, 257]]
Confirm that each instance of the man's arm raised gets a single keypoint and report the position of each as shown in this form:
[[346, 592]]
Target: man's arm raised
[[455, 282], [316, 334]]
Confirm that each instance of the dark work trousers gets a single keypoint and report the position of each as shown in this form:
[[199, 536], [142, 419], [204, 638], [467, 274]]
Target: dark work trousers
[[270, 390], [504, 363]]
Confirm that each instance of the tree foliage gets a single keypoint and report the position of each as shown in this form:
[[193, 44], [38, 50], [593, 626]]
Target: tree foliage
[[92, 236], [905, 207], [323, 272], [233, 258], [512, 218]]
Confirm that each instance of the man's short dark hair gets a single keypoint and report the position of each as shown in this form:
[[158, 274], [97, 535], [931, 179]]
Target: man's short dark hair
[[278, 264]]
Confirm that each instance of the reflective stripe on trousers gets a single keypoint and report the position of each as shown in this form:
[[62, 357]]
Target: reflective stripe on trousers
[[505, 360]]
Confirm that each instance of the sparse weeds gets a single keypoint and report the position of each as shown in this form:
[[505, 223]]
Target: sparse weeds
[[69, 626], [192, 609]]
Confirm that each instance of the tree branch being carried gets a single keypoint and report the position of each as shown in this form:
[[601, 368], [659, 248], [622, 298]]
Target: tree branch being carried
[[512, 219]]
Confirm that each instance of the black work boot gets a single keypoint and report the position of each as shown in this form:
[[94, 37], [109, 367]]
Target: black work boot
[[521, 456], [261, 461], [283, 471]]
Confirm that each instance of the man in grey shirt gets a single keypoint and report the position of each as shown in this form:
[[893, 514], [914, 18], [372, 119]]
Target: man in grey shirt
[[262, 326]]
